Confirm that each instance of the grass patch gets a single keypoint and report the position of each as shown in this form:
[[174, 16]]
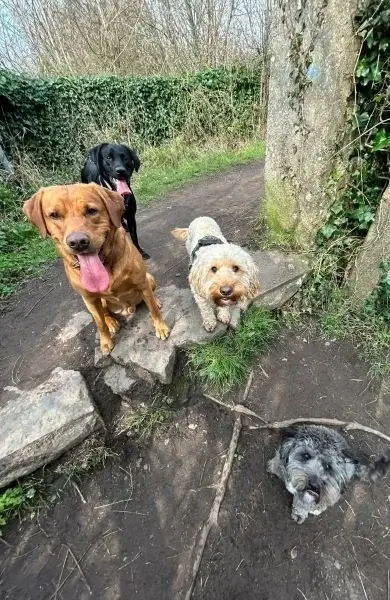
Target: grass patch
[[328, 305], [23, 254], [47, 486], [369, 333], [225, 362], [20, 265]]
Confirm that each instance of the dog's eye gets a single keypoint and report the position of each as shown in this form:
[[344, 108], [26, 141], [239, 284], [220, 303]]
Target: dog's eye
[[306, 456], [55, 215], [235, 269], [91, 211], [214, 269], [109, 157], [328, 467]]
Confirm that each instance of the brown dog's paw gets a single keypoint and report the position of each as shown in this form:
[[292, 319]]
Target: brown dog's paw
[[106, 346], [112, 324], [159, 304], [162, 330]]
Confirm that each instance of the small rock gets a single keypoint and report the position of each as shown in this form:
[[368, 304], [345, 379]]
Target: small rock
[[117, 379], [166, 442], [192, 426], [146, 467], [294, 553], [138, 462]]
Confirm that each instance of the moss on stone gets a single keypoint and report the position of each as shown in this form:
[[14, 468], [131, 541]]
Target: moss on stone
[[279, 215]]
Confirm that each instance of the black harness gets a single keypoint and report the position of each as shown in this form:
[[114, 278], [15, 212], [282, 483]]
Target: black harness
[[208, 240]]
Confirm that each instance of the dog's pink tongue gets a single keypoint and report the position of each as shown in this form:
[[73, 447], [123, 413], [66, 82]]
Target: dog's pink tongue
[[122, 187], [93, 275]]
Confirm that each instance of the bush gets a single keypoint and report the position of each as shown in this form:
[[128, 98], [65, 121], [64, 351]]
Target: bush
[[57, 119]]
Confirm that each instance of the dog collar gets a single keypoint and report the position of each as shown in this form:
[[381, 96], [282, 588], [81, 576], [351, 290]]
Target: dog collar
[[208, 240]]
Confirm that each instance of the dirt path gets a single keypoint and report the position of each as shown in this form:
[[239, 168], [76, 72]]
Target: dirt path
[[134, 535]]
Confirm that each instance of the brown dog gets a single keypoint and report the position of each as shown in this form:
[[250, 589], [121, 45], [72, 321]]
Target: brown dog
[[101, 262]]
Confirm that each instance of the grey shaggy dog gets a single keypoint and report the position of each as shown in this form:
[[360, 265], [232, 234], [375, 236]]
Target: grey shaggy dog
[[316, 465]]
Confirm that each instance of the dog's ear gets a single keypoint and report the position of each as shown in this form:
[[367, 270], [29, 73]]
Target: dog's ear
[[133, 158], [94, 153], [288, 440], [32, 208], [113, 203], [91, 168], [180, 234]]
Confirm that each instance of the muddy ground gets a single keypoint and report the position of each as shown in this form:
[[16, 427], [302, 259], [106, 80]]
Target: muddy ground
[[132, 532]]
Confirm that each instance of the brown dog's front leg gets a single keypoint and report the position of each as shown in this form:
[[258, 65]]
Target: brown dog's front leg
[[95, 307], [161, 328]]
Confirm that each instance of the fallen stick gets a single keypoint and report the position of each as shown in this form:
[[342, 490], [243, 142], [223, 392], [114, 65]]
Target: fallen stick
[[213, 516], [346, 425], [219, 495], [83, 577]]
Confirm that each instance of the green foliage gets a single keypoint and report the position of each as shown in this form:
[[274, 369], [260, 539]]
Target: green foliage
[[59, 118], [379, 300], [11, 500], [354, 209], [225, 361]]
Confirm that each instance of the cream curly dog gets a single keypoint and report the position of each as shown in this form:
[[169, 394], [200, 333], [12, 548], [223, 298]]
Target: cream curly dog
[[223, 277]]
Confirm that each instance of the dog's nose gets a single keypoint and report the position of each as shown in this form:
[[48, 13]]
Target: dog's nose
[[226, 290], [78, 241], [120, 171], [315, 484]]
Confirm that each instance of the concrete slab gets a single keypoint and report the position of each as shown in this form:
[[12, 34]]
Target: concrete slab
[[38, 425]]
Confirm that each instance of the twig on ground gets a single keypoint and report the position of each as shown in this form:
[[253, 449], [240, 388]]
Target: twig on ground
[[219, 495], [4, 542], [14, 367], [83, 577], [96, 539], [60, 583], [76, 487], [238, 408], [213, 516], [175, 265], [38, 301], [361, 582], [112, 503], [346, 425], [263, 371]]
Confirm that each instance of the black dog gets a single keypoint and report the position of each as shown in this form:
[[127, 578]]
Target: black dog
[[111, 166]]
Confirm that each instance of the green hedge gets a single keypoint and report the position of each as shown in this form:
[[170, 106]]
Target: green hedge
[[57, 117]]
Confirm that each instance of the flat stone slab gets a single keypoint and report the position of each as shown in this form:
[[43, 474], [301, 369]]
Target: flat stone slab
[[73, 327], [38, 425], [281, 276], [138, 349]]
